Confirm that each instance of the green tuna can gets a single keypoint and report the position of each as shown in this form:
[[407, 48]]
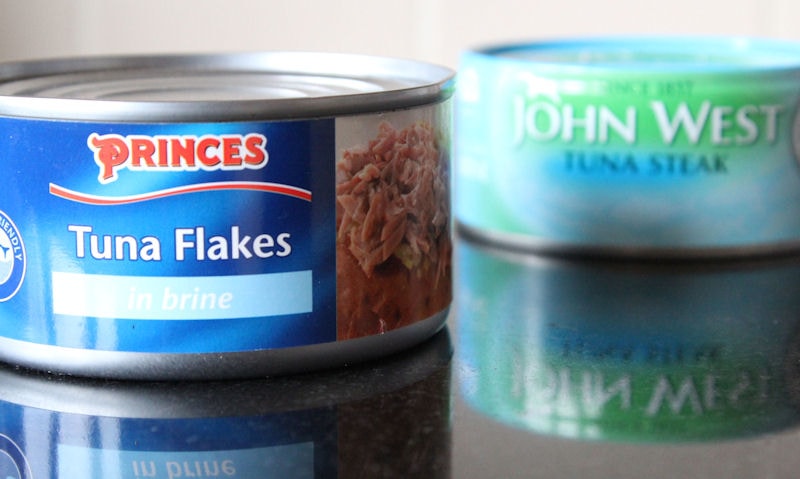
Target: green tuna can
[[665, 147]]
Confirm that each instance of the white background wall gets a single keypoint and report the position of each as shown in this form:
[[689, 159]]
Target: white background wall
[[433, 30]]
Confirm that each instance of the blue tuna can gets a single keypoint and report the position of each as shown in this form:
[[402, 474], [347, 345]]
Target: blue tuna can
[[216, 216]]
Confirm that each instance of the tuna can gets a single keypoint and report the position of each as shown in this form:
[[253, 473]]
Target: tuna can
[[223, 215], [659, 147]]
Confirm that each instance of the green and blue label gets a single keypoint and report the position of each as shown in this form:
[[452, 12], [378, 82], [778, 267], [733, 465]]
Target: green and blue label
[[619, 150]]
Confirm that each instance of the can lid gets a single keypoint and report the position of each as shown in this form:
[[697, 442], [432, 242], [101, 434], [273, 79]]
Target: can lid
[[217, 87], [655, 54]]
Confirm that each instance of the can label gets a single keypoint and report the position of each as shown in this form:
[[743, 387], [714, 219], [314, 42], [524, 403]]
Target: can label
[[631, 157], [214, 237]]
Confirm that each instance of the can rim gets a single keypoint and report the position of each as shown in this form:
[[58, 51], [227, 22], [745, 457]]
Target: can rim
[[651, 54], [215, 397], [400, 84]]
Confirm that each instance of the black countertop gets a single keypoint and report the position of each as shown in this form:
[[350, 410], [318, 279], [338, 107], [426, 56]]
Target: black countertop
[[548, 368]]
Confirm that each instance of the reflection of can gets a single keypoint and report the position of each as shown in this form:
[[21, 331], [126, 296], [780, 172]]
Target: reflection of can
[[613, 351], [648, 146], [222, 215], [390, 418]]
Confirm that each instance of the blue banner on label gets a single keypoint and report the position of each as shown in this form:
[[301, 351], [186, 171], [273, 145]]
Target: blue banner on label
[[187, 297]]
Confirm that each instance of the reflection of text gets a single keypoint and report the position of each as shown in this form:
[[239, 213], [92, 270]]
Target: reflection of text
[[564, 390], [176, 469], [295, 460]]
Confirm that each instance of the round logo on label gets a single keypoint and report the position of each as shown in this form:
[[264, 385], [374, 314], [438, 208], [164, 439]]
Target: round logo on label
[[13, 464], [12, 258]]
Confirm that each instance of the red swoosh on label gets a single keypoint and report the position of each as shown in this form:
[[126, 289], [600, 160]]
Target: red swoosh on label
[[78, 197]]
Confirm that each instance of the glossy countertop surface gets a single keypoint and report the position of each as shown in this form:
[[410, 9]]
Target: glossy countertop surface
[[547, 368]]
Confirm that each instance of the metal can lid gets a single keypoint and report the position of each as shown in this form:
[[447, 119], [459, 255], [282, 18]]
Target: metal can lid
[[655, 54], [217, 87]]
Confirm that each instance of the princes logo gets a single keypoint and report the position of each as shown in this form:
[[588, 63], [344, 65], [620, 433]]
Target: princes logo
[[176, 153], [12, 258]]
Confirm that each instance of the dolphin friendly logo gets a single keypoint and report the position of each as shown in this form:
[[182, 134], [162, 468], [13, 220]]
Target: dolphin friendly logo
[[13, 261]]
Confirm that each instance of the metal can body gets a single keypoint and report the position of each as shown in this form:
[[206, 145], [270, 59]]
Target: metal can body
[[186, 217], [651, 147]]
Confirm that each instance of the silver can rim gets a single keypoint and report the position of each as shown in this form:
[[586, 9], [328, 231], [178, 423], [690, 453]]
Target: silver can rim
[[211, 366], [399, 84], [616, 55]]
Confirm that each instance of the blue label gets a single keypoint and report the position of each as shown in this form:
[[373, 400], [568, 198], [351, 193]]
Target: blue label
[[168, 237], [223, 237]]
